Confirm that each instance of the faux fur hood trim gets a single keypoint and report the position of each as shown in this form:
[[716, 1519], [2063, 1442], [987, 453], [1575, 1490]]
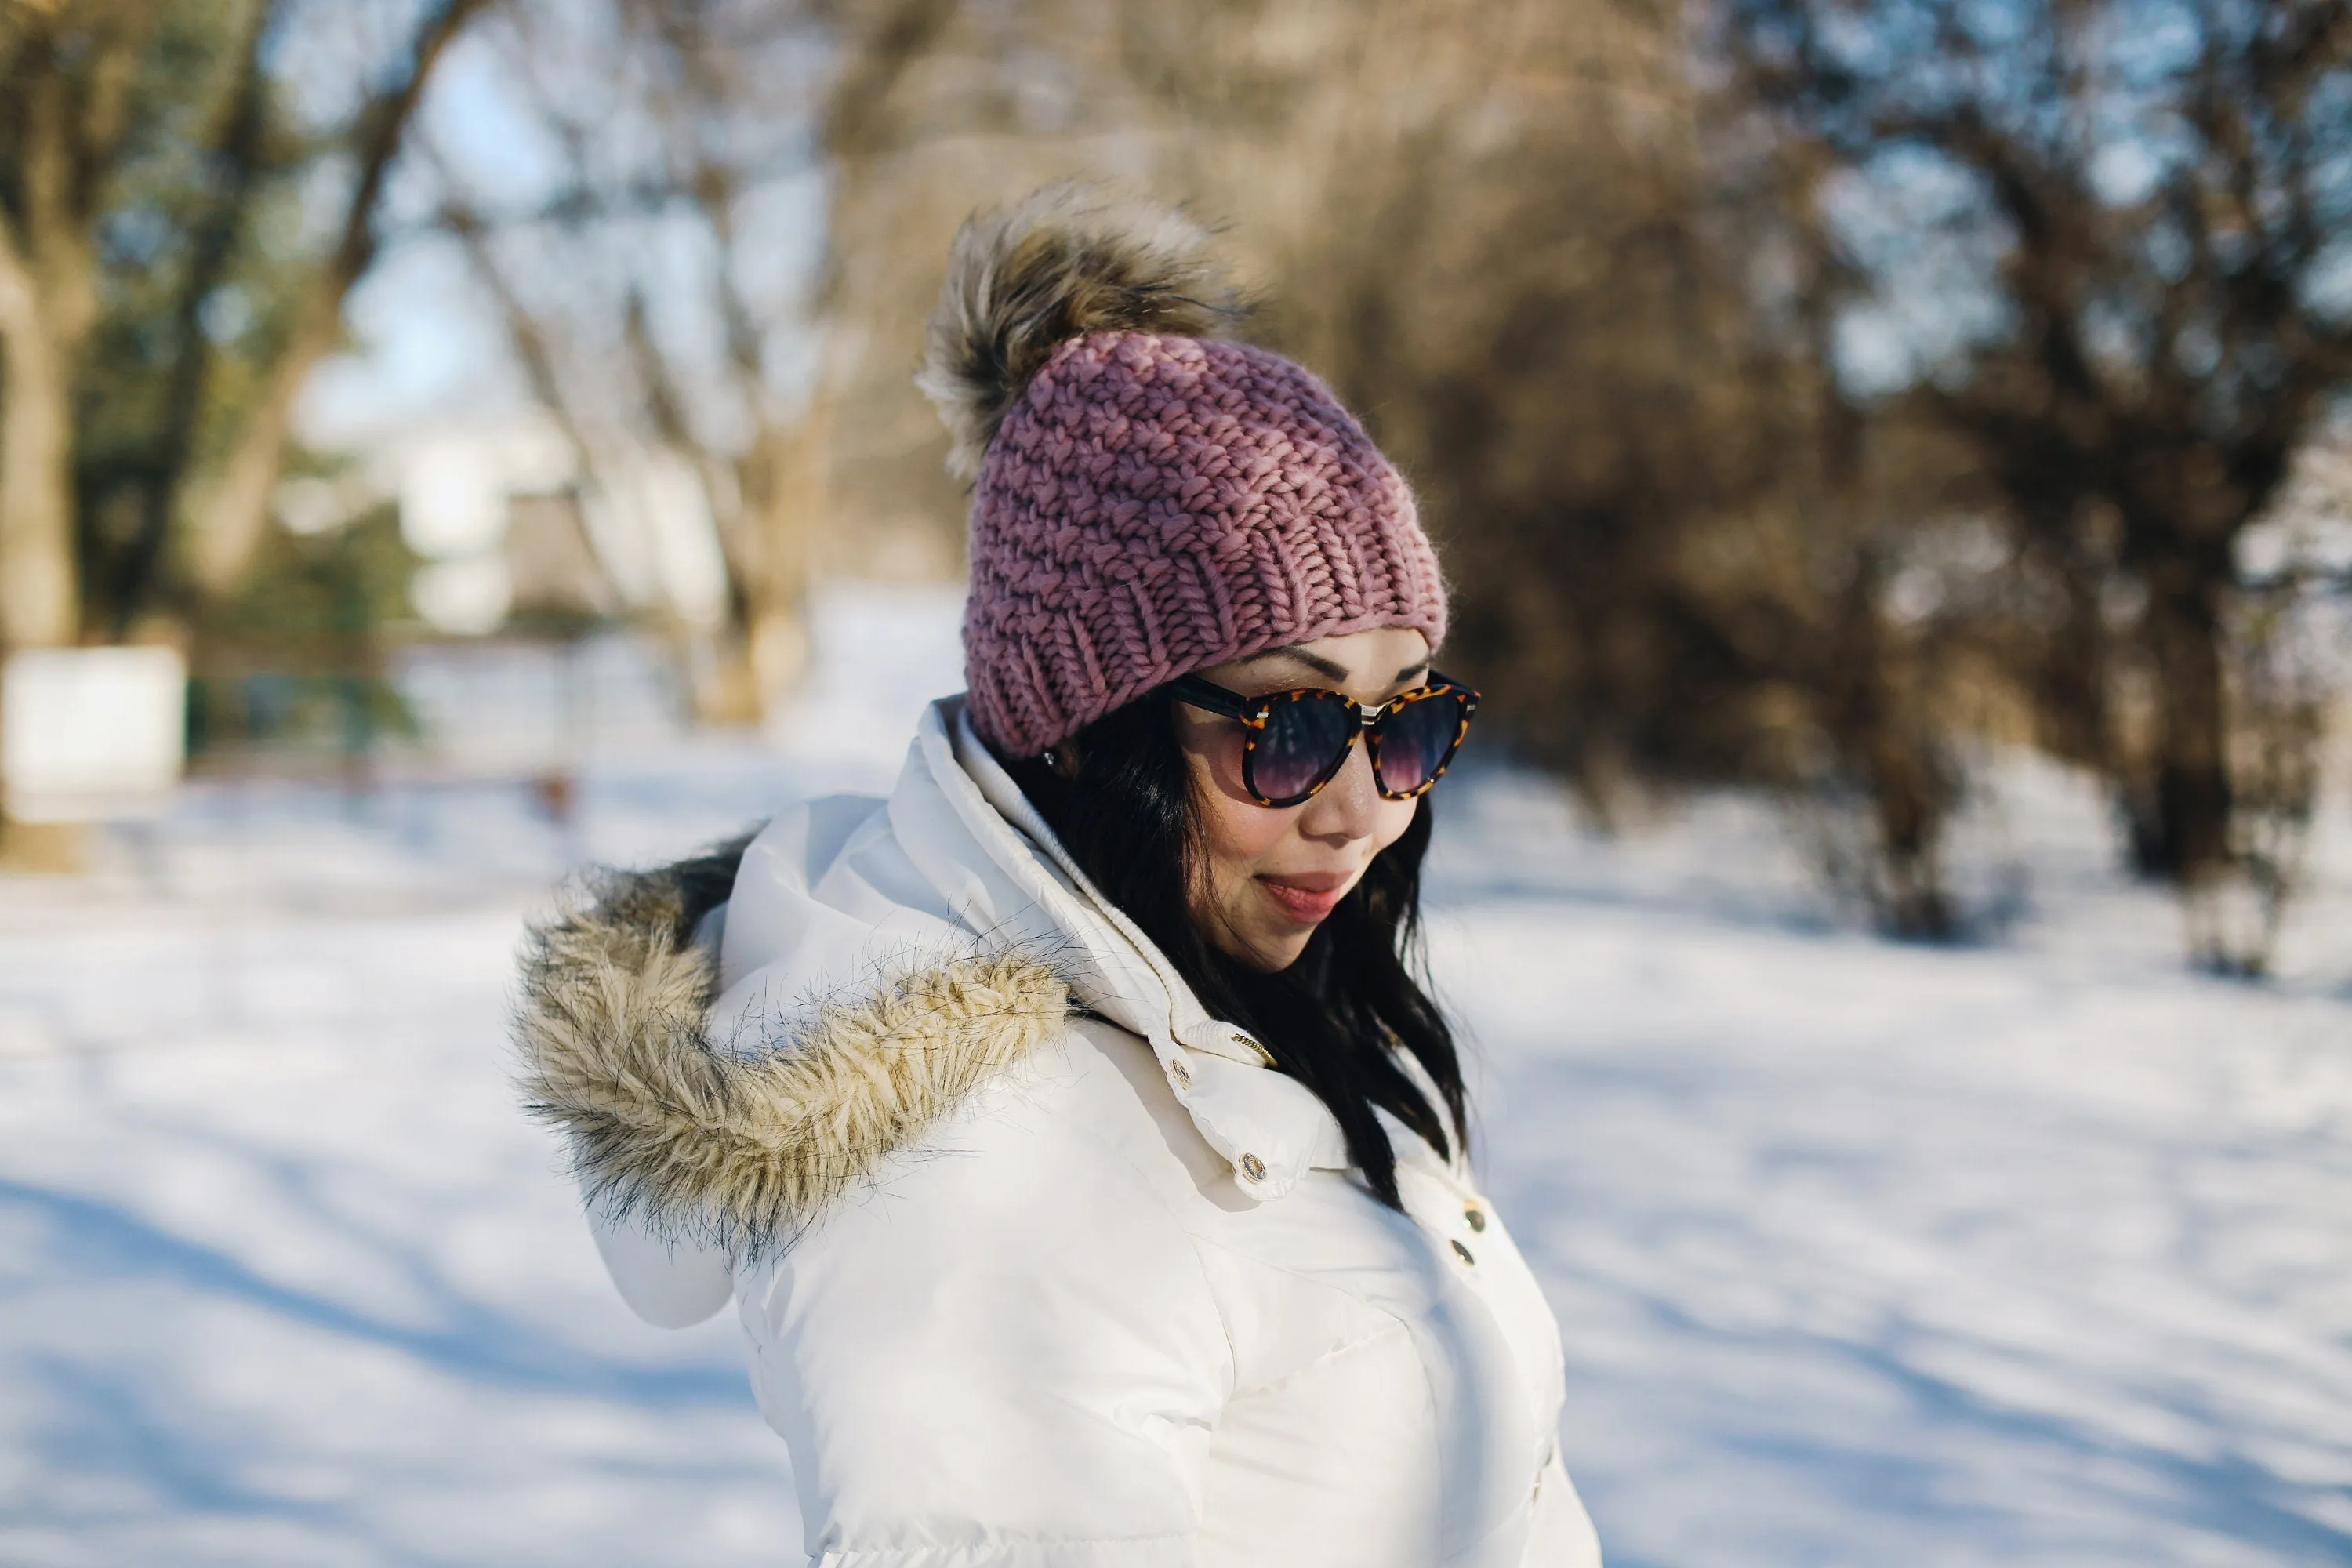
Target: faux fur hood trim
[[746, 1142], [1065, 261]]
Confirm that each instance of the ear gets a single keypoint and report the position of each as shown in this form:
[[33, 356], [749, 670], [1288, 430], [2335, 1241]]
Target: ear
[[1063, 758]]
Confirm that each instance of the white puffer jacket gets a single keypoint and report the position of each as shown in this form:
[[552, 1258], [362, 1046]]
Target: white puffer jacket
[[1041, 1267]]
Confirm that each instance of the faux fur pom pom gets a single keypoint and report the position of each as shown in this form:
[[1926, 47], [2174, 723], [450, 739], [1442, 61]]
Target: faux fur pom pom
[[1064, 262]]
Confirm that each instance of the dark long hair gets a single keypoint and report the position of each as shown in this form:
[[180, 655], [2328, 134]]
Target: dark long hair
[[1331, 1020]]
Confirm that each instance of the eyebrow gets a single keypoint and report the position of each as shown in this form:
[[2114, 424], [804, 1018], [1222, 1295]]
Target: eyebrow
[[1328, 669]]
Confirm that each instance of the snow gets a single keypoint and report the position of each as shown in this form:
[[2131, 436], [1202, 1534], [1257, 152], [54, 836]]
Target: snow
[[2029, 1252], [283, 1277], [1883, 1255]]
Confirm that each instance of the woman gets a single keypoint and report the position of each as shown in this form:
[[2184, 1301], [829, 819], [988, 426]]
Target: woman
[[1084, 1158]]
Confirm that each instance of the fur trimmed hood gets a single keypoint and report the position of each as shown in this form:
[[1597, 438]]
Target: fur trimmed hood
[[729, 1043], [741, 1143]]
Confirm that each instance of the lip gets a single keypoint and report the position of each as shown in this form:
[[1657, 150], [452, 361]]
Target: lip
[[1309, 896]]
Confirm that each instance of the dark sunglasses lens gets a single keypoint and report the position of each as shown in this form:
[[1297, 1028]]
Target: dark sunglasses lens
[[1415, 741], [1303, 737]]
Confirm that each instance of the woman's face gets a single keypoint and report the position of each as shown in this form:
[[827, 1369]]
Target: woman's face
[[1271, 875]]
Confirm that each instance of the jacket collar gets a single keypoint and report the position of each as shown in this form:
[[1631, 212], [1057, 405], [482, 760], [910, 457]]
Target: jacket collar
[[1270, 1128]]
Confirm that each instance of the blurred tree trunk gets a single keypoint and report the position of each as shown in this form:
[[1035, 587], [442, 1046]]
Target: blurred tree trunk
[[764, 496], [70, 68], [2187, 837], [38, 333], [768, 542]]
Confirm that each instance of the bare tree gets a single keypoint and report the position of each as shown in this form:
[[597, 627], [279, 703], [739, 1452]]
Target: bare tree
[[229, 507], [645, 314], [2288, 632], [2154, 195], [95, 123]]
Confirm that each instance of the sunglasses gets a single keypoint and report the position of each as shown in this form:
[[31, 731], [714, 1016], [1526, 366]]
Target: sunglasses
[[1295, 742]]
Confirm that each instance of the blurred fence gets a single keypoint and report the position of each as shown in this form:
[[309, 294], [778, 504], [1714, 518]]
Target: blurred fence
[[501, 707]]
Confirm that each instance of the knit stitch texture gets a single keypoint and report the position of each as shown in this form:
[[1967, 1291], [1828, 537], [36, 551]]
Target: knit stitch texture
[[1152, 505]]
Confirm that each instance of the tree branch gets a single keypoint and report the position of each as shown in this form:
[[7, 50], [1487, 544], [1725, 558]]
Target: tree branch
[[231, 515], [233, 160], [852, 112]]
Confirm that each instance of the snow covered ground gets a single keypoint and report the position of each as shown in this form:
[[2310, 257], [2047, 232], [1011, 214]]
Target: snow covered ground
[[1867, 1254], [2032, 1252]]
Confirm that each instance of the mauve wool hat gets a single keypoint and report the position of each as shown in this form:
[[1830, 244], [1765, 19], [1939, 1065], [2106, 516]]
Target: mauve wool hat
[[1150, 499]]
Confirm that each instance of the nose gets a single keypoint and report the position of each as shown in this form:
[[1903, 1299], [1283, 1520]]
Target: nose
[[1348, 807]]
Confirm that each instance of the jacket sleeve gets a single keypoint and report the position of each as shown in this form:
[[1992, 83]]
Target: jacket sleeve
[[671, 1284], [1562, 1536], [1004, 1355]]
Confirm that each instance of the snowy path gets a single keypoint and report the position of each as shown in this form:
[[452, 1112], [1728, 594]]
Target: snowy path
[[283, 1277], [1870, 1255], [2035, 1253]]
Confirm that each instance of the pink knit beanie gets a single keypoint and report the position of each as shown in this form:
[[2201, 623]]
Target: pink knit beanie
[[1150, 499]]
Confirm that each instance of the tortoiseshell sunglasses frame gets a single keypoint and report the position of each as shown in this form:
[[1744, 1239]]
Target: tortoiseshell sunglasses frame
[[1255, 711]]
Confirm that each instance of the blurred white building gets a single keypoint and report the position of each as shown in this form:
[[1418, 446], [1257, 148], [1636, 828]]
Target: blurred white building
[[510, 519], [90, 734]]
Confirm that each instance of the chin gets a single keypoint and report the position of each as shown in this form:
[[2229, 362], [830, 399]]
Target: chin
[[1279, 952]]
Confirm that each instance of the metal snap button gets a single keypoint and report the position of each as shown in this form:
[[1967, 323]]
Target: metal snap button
[[1462, 1252], [1477, 1216], [1180, 1072], [1253, 1167]]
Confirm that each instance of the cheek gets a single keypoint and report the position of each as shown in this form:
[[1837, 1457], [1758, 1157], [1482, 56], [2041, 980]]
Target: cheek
[[1393, 818], [1236, 832], [1241, 833]]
